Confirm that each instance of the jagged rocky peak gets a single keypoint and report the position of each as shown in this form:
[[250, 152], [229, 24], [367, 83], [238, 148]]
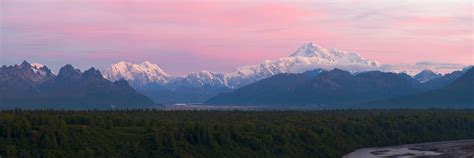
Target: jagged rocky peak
[[25, 64], [25, 72], [42, 69], [92, 73], [69, 72], [68, 68]]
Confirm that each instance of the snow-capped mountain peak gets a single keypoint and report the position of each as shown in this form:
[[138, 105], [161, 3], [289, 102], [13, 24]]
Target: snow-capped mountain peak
[[41, 69], [310, 50], [198, 79], [36, 68], [308, 57], [331, 56], [140, 74]]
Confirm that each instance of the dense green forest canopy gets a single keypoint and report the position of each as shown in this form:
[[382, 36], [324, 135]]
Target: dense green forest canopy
[[150, 133]]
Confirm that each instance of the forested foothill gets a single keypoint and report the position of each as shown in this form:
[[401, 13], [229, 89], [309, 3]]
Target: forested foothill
[[154, 133]]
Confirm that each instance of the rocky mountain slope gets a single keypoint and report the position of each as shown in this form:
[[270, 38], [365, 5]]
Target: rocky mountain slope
[[27, 85], [335, 87]]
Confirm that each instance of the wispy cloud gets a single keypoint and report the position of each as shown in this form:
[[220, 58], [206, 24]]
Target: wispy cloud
[[440, 67]]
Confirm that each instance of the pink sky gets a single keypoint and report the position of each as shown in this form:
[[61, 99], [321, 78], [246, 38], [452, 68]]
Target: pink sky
[[185, 36]]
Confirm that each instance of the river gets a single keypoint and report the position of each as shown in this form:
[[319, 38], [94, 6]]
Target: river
[[446, 149]]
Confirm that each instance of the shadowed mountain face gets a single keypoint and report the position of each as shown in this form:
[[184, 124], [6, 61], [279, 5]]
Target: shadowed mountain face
[[22, 86], [459, 93], [335, 87], [22, 80], [442, 81], [426, 75], [274, 90]]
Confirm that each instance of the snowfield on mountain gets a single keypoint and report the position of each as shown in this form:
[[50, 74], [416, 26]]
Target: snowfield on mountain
[[307, 57]]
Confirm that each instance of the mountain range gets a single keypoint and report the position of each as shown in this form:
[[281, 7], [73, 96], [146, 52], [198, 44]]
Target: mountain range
[[34, 85], [457, 94], [311, 75], [197, 87], [339, 88], [29, 85], [328, 87], [307, 57]]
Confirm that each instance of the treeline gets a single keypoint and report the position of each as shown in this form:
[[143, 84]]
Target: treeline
[[149, 133]]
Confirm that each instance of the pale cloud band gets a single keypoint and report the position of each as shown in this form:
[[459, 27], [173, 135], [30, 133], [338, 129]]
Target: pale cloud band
[[412, 69]]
